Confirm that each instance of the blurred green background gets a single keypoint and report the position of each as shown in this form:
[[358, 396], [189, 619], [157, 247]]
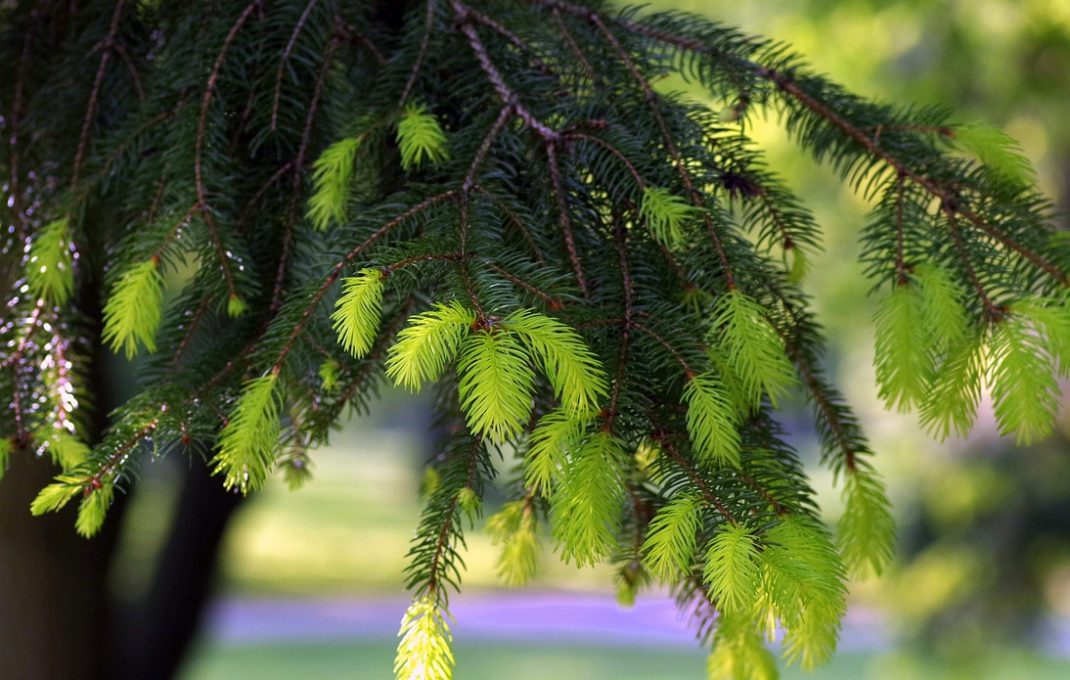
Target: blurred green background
[[982, 585]]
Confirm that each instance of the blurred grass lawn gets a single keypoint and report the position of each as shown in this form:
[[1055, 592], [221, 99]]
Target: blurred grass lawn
[[373, 659]]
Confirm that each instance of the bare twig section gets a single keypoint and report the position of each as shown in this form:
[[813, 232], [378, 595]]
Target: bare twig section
[[689, 372], [639, 181], [514, 39], [900, 260], [993, 311], [619, 236], [198, 147]]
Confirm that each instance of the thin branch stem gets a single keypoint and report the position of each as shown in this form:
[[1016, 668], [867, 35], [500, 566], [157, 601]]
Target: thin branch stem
[[429, 22], [94, 93]]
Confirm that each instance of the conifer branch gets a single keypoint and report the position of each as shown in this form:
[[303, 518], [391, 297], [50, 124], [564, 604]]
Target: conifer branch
[[563, 218], [693, 474], [94, 93], [652, 100], [206, 100], [298, 27], [336, 271], [429, 20], [508, 95], [298, 175]]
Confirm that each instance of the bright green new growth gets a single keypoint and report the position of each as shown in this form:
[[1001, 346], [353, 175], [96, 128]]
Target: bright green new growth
[[753, 348], [943, 312], [93, 509], [902, 360], [866, 536], [66, 450], [328, 372], [995, 148], [6, 447], [496, 385], [950, 404], [132, 312], [669, 547], [712, 421], [1051, 321], [739, 653], [423, 651], [55, 496], [574, 372], [50, 268], [804, 581], [585, 508], [236, 306], [556, 434], [331, 175], [428, 344], [358, 312], [513, 528], [666, 215], [732, 571], [1024, 388], [248, 441], [496, 378], [420, 138]]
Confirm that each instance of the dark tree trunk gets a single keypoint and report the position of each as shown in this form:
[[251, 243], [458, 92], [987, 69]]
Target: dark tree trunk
[[55, 616]]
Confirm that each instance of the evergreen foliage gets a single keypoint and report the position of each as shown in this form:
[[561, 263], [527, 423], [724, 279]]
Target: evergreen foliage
[[599, 279], [132, 312], [331, 176]]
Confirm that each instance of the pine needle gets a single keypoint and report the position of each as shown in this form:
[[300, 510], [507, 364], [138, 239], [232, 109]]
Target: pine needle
[[804, 582], [132, 312], [732, 570], [428, 345], [866, 537], [496, 385], [739, 653], [997, 150], [557, 433], [1021, 375], [513, 528], [575, 373], [669, 547], [249, 440], [712, 421], [753, 348], [420, 138], [358, 312], [423, 651], [92, 511], [331, 179], [666, 215], [902, 357], [50, 268], [586, 508], [950, 404]]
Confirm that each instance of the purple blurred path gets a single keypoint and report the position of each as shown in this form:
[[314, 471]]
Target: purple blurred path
[[544, 617]]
